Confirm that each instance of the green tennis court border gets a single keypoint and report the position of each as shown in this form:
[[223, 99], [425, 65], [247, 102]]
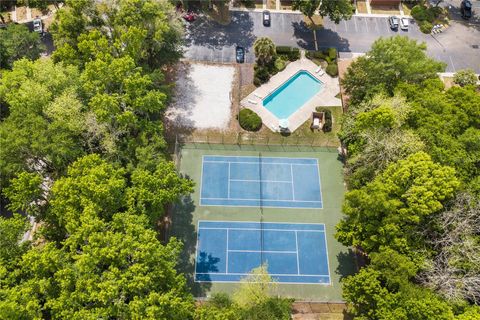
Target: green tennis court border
[[187, 214]]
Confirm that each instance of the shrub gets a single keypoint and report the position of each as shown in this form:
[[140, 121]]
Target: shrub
[[249, 120], [332, 69], [426, 27], [279, 64], [419, 12], [283, 49], [294, 54], [332, 53], [262, 73], [327, 125], [465, 78], [257, 82]]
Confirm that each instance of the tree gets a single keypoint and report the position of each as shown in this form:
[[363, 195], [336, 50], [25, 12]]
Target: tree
[[264, 50], [307, 7], [43, 128], [17, 42], [387, 211], [454, 271], [466, 77], [11, 247], [25, 193], [145, 30], [114, 269], [336, 10], [389, 62]]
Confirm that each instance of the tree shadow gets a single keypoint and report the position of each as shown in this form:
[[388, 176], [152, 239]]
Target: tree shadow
[[325, 38], [184, 230], [211, 34], [346, 264], [455, 14]]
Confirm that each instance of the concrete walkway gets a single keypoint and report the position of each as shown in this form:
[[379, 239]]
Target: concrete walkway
[[325, 97]]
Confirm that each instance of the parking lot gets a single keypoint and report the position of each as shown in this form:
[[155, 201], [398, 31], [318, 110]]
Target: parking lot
[[209, 41]]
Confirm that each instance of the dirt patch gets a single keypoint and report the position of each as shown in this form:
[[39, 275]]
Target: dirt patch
[[316, 22], [384, 9], [343, 65], [362, 6], [271, 4], [21, 13]]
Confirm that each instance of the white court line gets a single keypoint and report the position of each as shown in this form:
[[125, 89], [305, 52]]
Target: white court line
[[293, 185], [270, 157], [326, 253], [258, 229], [273, 281], [263, 163], [296, 245], [250, 221], [226, 265], [263, 206], [260, 251], [263, 199], [272, 181], [272, 274], [228, 182]]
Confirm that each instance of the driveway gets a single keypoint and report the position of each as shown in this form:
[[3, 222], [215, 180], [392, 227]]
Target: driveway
[[209, 41]]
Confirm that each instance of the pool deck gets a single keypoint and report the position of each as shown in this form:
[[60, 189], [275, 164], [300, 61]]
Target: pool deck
[[326, 96]]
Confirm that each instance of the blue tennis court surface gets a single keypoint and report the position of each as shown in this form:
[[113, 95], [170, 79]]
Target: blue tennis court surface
[[259, 181], [294, 252]]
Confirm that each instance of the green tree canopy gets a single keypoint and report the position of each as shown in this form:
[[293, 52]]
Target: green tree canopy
[[466, 77], [387, 211], [336, 10], [389, 62], [264, 50], [145, 30], [17, 42]]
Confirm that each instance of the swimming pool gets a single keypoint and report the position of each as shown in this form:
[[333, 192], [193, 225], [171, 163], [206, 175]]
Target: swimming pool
[[292, 95]]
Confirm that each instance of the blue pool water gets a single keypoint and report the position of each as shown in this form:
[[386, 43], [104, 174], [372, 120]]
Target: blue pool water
[[292, 95]]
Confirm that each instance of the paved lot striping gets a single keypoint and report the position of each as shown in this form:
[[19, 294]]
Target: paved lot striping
[[294, 253], [260, 181], [209, 41]]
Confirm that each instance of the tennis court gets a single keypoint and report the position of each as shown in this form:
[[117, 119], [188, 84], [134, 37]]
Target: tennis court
[[294, 252], [260, 181]]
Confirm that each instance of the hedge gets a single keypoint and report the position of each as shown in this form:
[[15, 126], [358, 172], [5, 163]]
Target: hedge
[[279, 64], [249, 120], [290, 53], [425, 27], [332, 69]]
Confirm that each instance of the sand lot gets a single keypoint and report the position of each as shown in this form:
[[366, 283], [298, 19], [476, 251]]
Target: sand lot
[[202, 97]]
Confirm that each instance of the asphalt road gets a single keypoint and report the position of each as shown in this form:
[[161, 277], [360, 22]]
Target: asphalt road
[[208, 41]]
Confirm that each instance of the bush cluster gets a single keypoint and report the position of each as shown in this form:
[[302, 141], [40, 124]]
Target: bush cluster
[[426, 16], [249, 120], [330, 56], [288, 53]]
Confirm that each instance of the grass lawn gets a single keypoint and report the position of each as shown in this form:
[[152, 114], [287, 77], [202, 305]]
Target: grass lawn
[[362, 6], [406, 9], [385, 9], [317, 22], [271, 4]]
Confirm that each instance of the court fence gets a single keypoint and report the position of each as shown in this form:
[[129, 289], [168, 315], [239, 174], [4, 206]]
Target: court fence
[[253, 142]]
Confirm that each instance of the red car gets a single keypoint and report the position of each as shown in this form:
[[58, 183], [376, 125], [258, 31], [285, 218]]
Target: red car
[[189, 16]]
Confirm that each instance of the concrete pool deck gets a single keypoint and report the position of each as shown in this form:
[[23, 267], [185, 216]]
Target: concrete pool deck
[[325, 97]]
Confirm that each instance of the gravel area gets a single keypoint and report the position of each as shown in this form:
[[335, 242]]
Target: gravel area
[[202, 97]]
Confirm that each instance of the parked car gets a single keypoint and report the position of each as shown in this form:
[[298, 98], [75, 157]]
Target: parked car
[[266, 18], [466, 9], [240, 54], [189, 16], [393, 22], [404, 22], [37, 25]]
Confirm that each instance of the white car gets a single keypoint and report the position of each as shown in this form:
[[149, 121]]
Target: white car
[[404, 23], [37, 25]]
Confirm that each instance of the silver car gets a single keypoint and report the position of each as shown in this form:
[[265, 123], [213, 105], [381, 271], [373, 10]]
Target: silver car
[[393, 22], [404, 22], [37, 25]]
